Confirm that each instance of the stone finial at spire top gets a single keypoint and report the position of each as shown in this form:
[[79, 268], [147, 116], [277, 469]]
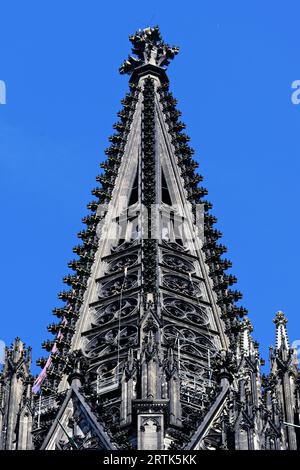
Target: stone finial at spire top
[[149, 48], [280, 321]]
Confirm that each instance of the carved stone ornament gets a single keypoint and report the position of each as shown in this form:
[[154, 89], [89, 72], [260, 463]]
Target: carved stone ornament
[[149, 48]]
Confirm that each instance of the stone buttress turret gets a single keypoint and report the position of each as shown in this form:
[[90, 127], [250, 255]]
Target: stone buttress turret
[[16, 398], [284, 378]]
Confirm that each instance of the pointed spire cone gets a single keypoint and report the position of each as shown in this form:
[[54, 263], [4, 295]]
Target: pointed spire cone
[[150, 276], [150, 163]]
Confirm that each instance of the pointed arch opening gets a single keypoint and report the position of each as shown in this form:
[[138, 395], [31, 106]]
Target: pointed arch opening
[[165, 193], [134, 195]]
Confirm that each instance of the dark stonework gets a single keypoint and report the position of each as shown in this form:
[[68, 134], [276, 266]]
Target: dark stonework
[[151, 349]]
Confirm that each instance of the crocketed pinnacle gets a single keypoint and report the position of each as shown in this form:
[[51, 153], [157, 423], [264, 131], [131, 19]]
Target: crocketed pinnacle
[[281, 332]]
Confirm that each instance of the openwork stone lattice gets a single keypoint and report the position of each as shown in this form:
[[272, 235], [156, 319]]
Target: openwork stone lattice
[[183, 310]]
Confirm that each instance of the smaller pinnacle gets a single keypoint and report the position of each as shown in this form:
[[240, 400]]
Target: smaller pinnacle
[[281, 333]]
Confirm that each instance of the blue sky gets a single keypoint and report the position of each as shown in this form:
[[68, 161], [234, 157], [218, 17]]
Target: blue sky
[[232, 79]]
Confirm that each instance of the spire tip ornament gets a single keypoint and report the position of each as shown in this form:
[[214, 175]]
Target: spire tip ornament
[[149, 48]]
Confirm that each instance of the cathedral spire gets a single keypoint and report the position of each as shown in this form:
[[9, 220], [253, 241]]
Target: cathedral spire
[[146, 288], [150, 350]]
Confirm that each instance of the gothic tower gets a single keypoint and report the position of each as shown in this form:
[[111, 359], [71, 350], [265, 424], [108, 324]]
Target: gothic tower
[[151, 350]]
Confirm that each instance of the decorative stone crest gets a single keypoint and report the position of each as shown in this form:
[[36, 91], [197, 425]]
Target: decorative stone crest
[[149, 48]]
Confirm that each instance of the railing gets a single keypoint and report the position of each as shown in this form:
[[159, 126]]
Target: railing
[[108, 381], [44, 404], [194, 389]]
